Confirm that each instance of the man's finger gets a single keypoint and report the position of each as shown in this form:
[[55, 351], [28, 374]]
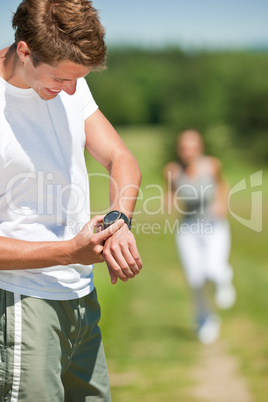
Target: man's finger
[[113, 277], [135, 254], [93, 223], [106, 233]]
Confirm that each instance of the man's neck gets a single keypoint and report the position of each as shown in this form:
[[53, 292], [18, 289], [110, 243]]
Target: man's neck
[[10, 67]]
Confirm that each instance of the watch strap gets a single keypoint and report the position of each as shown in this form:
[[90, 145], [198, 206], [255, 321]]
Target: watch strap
[[127, 221]]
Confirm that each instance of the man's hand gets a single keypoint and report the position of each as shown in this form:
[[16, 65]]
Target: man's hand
[[121, 255], [87, 246]]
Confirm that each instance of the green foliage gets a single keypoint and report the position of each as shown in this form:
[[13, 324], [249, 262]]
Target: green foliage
[[215, 93]]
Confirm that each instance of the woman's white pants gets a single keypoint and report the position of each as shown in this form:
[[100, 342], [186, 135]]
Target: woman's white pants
[[204, 252]]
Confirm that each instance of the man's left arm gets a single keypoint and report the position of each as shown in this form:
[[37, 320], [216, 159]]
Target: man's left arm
[[104, 144]]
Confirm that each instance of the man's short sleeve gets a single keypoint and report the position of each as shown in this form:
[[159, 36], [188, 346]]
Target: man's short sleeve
[[89, 103]]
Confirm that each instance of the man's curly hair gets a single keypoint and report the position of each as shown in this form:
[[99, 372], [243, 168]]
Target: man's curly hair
[[59, 30]]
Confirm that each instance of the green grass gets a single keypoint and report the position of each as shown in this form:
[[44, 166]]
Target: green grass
[[147, 323]]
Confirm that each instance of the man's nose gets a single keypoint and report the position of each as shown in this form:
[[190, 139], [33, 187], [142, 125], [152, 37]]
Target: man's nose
[[70, 87]]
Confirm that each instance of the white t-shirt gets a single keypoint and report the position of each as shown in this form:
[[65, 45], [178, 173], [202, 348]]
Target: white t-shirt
[[44, 190]]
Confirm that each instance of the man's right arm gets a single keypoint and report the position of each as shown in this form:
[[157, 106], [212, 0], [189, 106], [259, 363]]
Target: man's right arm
[[85, 248]]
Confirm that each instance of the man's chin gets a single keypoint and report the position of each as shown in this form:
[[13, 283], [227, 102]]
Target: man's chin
[[47, 96]]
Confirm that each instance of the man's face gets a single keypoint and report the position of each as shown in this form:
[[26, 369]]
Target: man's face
[[48, 81]]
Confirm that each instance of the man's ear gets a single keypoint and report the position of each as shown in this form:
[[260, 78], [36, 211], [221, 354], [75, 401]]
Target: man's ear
[[23, 51]]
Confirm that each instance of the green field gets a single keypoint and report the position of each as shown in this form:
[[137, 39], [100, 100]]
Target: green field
[[147, 323]]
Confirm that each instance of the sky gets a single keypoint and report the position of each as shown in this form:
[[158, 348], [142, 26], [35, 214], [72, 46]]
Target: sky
[[209, 24]]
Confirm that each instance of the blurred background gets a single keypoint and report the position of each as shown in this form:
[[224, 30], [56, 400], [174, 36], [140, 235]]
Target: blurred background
[[175, 65]]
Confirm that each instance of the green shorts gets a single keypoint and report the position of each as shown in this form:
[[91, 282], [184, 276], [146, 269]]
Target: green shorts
[[51, 351]]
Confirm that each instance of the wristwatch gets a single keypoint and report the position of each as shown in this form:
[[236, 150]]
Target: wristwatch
[[114, 216]]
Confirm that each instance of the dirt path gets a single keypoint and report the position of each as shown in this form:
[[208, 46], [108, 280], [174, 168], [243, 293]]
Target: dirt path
[[217, 377]]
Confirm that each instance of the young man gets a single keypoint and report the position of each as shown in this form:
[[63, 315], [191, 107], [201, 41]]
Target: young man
[[50, 342]]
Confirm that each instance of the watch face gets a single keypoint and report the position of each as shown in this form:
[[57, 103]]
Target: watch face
[[111, 217]]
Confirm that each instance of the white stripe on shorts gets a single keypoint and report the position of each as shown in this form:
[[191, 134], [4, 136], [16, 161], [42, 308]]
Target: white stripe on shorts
[[17, 348]]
